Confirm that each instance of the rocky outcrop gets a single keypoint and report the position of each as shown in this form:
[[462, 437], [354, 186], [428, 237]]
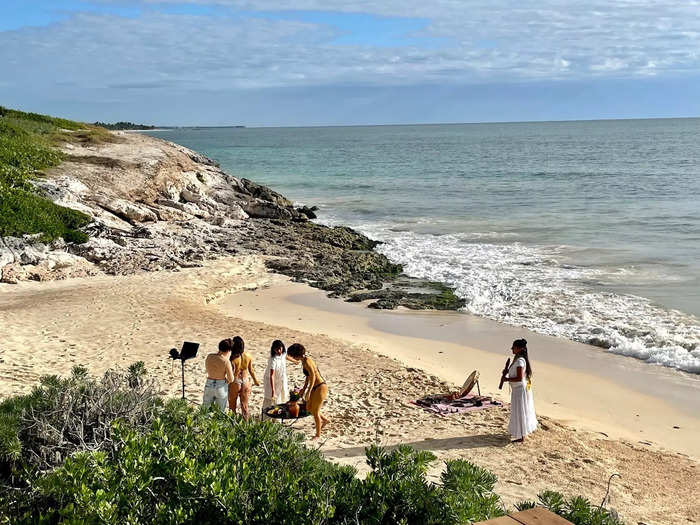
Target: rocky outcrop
[[159, 206], [263, 193], [28, 259], [128, 211]]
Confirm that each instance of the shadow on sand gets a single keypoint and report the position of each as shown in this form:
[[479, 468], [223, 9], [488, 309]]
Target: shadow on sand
[[454, 443]]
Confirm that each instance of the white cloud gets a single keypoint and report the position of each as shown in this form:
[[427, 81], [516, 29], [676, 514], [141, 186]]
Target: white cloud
[[609, 64], [502, 41]]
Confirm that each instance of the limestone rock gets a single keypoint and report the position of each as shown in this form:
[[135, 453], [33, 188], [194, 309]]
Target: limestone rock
[[235, 211], [98, 249], [225, 222], [308, 212], [264, 193], [60, 260], [167, 207], [261, 209], [191, 194], [7, 256], [171, 192], [129, 211], [167, 213], [187, 207], [12, 274]]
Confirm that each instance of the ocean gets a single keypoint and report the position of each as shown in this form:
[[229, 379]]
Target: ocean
[[587, 230]]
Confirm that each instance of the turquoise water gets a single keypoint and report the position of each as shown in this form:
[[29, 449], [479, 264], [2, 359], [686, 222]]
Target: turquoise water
[[585, 230]]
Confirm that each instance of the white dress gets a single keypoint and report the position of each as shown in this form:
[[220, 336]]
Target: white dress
[[279, 365], [523, 420]]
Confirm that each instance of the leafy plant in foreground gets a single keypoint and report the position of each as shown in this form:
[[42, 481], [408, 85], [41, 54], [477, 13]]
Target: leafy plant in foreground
[[577, 510], [115, 453], [40, 430]]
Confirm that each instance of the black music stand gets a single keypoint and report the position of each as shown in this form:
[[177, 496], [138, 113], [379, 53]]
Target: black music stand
[[189, 350]]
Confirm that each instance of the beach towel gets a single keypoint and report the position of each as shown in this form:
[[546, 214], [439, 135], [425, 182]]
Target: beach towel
[[443, 404]]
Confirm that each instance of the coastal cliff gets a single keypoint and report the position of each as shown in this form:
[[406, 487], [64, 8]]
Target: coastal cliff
[[154, 205]]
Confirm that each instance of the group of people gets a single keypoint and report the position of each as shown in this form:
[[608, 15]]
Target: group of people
[[230, 378]]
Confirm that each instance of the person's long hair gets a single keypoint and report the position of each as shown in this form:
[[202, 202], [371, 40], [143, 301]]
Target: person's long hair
[[237, 347], [296, 350], [521, 344], [275, 345]]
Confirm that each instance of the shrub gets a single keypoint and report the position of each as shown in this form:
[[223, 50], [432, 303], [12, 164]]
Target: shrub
[[40, 430], [23, 212], [192, 466], [120, 455], [206, 466], [470, 490], [26, 148], [577, 510], [42, 119]]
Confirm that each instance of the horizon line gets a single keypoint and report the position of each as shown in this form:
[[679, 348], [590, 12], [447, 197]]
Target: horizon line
[[244, 126]]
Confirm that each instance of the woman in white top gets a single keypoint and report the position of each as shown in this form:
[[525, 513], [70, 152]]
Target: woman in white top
[[523, 420], [275, 379]]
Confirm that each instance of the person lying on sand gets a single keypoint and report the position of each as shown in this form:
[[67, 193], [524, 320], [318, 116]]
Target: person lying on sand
[[315, 389], [219, 375], [242, 363], [523, 420], [467, 387]]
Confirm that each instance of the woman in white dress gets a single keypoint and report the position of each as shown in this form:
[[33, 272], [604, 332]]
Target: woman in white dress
[[523, 420], [275, 380]]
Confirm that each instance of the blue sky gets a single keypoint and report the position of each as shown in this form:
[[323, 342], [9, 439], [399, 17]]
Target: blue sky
[[274, 62]]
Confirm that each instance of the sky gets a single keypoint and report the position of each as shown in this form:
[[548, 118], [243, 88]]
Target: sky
[[333, 62]]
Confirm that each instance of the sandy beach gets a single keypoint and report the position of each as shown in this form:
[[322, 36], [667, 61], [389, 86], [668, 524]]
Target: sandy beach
[[600, 414]]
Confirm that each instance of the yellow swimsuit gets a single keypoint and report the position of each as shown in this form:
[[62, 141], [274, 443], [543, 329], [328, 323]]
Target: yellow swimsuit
[[241, 367]]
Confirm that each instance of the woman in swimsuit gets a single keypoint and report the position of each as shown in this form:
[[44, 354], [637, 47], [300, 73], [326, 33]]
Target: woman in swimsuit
[[315, 390], [242, 364]]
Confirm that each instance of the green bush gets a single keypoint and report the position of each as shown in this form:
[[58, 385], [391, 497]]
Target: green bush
[[79, 450], [577, 510], [59, 123], [210, 467], [26, 148], [21, 154], [40, 430], [23, 212], [204, 466], [190, 467]]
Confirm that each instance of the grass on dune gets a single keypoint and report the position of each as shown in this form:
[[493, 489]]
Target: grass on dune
[[27, 147]]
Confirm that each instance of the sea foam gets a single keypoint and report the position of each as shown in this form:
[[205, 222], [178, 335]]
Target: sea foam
[[529, 286]]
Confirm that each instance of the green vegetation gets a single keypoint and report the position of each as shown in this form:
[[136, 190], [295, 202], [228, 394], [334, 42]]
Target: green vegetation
[[124, 125], [577, 509], [81, 450], [27, 146]]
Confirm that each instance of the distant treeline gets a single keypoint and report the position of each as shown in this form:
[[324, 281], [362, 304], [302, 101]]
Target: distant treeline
[[123, 125]]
